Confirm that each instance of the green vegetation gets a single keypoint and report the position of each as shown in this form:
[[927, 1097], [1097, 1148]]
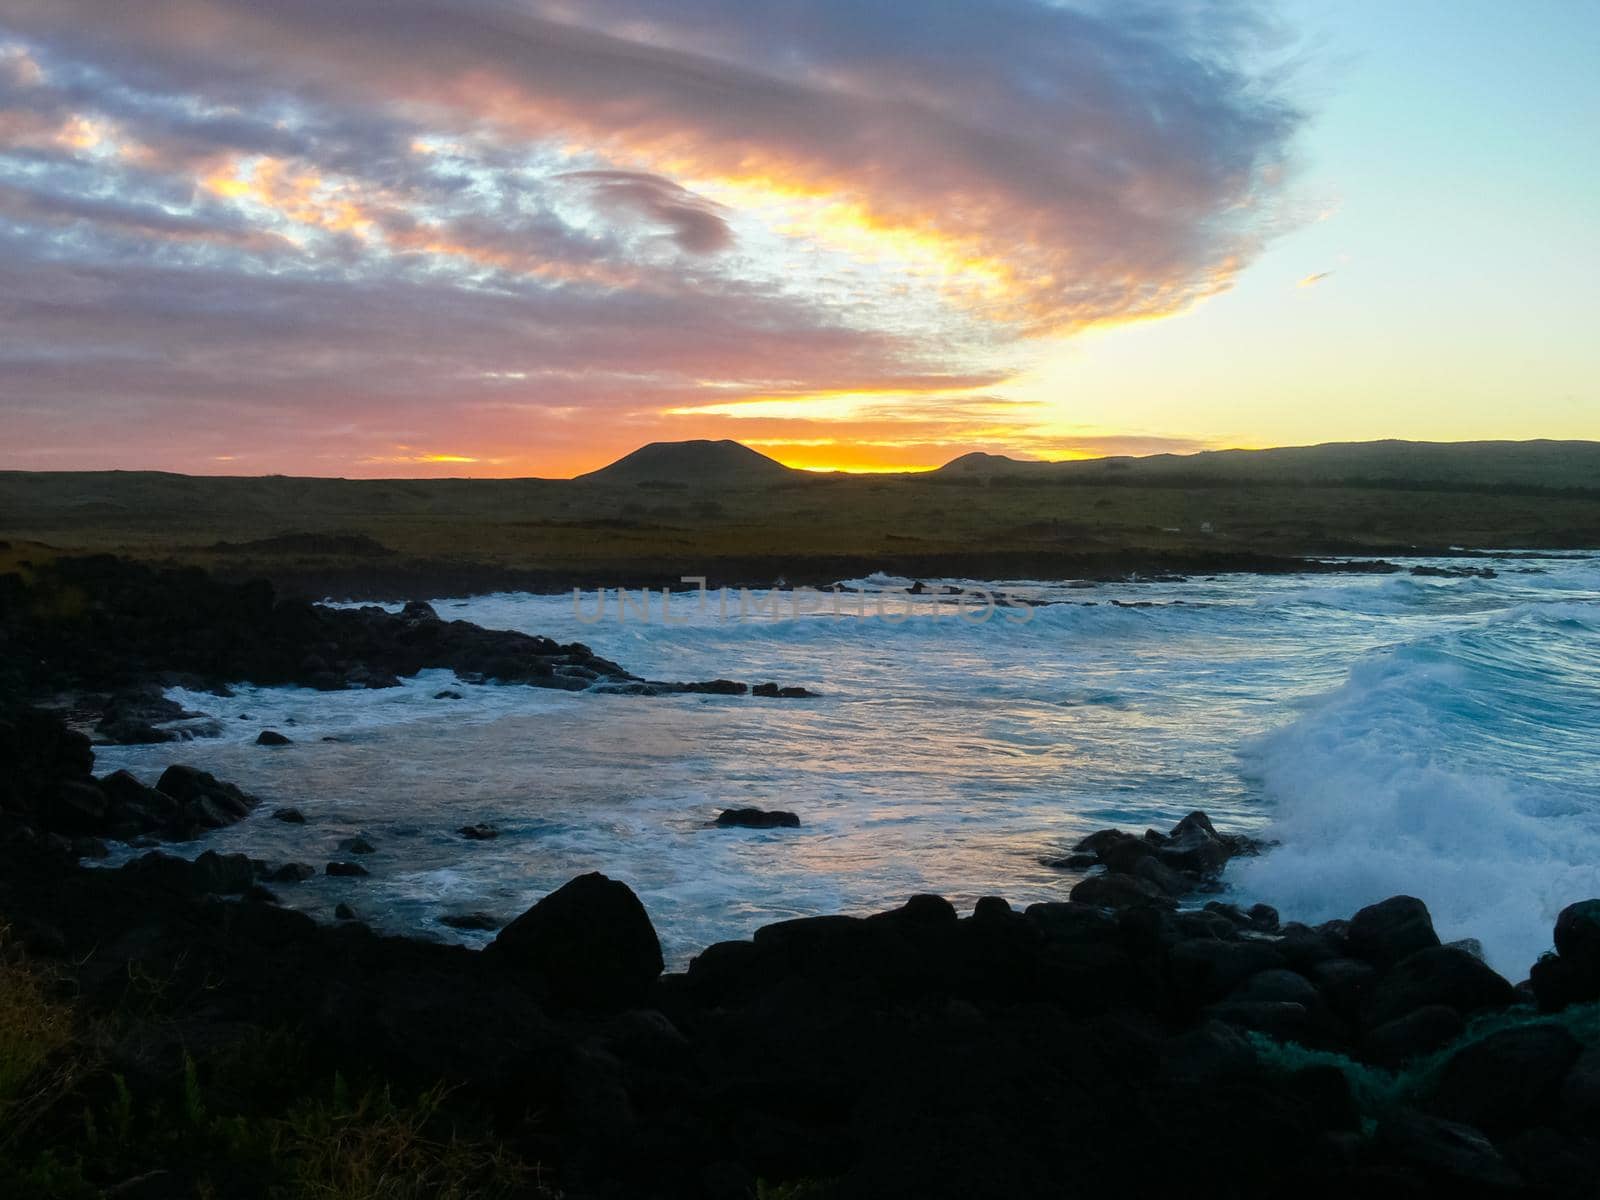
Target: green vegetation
[[256, 1119], [691, 518]]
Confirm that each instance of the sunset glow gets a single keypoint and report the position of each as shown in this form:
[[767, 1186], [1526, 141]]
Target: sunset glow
[[293, 237]]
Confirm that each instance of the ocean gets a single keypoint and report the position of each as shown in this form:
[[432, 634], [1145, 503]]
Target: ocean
[[1436, 736]]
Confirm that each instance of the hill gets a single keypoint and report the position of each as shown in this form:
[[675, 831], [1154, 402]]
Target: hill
[[698, 463], [1455, 465]]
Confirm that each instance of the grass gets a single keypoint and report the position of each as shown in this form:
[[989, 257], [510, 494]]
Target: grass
[[253, 1122], [593, 530], [373, 1149], [35, 1030]]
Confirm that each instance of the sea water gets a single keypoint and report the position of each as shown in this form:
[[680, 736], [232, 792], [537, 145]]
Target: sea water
[[1391, 733]]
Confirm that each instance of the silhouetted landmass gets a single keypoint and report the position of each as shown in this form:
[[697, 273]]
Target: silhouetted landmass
[[699, 463], [719, 510], [1542, 464]]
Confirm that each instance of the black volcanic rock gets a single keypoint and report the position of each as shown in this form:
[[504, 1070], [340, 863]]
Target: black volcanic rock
[[589, 944], [1388, 931], [912, 1052], [1507, 1081], [773, 691], [271, 737], [756, 818], [1187, 859], [1120, 891], [1455, 1159], [143, 625], [1421, 1031], [1436, 975]]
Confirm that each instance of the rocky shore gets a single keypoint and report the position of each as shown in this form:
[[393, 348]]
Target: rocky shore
[[1113, 1042], [104, 636]]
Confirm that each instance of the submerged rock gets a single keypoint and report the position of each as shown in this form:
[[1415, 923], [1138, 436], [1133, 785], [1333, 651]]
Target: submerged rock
[[471, 921], [773, 691], [756, 818], [1188, 859]]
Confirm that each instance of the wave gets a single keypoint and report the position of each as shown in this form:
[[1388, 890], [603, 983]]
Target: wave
[[1457, 768]]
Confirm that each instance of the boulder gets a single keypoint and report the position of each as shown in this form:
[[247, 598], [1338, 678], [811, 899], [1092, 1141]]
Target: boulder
[[1153, 871], [1205, 970], [1281, 1020], [1119, 891], [1343, 982], [356, 845], [1195, 850], [1557, 982], [479, 832], [1072, 922], [590, 943], [1279, 984], [291, 873], [1437, 975], [1125, 853], [143, 805], [1305, 947], [1580, 1093], [1388, 931], [78, 806], [348, 870], [223, 874], [1429, 1028], [756, 818], [271, 737], [1507, 1081], [1577, 934], [289, 816], [1096, 842], [1449, 1154], [1572, 974], [1263, 917], [206, 799]]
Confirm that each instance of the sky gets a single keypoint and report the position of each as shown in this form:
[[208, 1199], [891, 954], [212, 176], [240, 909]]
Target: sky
[[523, 237]]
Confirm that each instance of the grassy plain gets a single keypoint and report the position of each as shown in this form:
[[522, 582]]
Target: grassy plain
[[437, 535]]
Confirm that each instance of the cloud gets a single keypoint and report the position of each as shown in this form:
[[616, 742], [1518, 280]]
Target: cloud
[[697, 224], [1313, 280], [427, 215]]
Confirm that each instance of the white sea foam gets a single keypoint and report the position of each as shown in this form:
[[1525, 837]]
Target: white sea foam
[[1460, 769]]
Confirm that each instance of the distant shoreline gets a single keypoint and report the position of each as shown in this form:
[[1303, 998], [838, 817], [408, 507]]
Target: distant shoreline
[[390, 581]]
